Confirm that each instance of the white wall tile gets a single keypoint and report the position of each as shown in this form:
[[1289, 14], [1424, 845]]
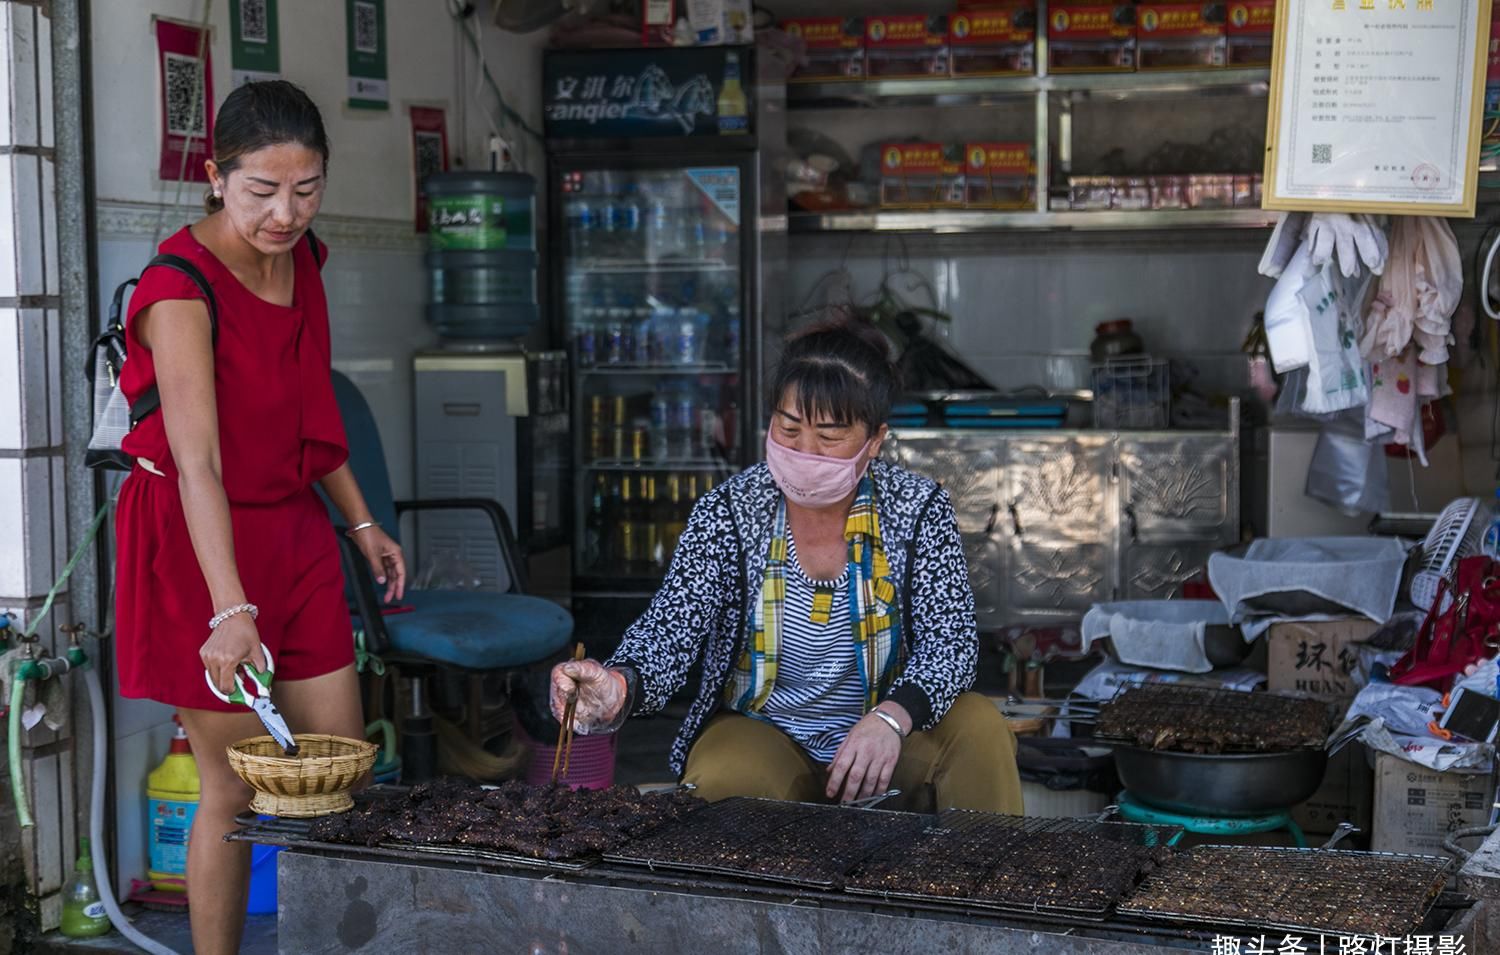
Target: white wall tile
[[5, 9], [25, 98], [49, 241], [12, 526], [44, 78], [26, 182], [10, 384], [7, 229], [39, 380]]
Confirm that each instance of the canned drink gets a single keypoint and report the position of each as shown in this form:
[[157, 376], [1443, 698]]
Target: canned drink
[[685, 348], [619, 411], [617, 442], [708, 427], [596, 443], [587, 347], [596, 411], [682, 412], [616, 347], [639, 439]]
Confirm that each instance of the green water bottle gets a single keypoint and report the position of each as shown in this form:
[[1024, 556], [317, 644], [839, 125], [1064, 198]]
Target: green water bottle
[[83, 914]]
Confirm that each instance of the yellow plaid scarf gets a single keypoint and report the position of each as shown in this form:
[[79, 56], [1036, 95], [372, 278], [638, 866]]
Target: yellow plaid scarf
[[875, 621]]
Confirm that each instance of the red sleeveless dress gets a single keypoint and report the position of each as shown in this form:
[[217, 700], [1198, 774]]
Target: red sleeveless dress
[[279, 432]]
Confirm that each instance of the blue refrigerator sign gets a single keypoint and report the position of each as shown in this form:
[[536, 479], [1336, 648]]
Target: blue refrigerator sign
[[625, 94]]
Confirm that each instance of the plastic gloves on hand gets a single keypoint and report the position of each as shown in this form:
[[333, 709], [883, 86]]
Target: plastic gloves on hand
[[601, 695], [1355, 240]]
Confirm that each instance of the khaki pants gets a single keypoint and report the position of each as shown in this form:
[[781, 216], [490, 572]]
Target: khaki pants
[[967, 761]]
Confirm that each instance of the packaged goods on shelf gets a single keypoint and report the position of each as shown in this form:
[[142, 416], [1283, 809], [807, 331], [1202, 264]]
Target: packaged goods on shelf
[[914, 45], [1180, 36], [1091, 37], [1251, 26], [1135, 193], [920, 176], [998, 175], [835, 47], [993, 40]]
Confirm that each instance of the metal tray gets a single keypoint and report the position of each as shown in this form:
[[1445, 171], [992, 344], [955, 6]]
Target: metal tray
[[630, 855], [1439, 866], [293, 834]]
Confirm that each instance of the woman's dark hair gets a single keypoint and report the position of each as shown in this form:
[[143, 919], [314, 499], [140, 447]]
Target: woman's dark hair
[[841, 370], [257, 115]]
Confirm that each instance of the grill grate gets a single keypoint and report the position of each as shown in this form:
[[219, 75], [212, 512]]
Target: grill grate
[[1298, 890], [799, 844], [1200, 719], [1015, 863]]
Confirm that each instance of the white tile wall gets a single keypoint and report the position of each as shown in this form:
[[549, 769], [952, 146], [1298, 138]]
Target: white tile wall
[[7, 230], [13, 555], [5, 83], [11, 426], [27, 218], [32, 336], [22, 62]]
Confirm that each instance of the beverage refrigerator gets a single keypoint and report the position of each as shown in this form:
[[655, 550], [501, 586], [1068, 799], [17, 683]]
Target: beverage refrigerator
[[664, 211]]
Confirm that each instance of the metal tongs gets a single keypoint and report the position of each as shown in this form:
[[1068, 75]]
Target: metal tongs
[[258, 701], [870, 802]]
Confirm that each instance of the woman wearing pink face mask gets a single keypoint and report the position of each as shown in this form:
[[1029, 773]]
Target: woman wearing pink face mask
[[827, 595]]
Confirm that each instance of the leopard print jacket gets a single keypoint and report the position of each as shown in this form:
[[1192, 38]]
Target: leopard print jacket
[[701, 611]]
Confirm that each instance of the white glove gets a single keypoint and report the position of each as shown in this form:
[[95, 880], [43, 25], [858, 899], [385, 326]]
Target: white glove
[[1354, 240], [1285, 239]]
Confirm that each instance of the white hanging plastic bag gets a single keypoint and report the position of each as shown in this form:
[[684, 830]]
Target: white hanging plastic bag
[[1336, 378], [1288, 322]]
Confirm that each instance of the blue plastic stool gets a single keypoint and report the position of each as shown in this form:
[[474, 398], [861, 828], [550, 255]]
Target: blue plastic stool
[[1134, 810]]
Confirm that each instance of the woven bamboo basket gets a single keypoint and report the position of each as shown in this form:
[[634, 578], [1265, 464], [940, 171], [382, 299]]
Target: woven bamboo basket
[[316, 782]]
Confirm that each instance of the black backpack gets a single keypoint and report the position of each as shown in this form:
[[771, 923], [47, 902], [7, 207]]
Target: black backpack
[[114, 417]]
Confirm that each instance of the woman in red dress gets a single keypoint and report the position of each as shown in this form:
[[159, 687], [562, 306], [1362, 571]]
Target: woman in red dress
[[224, 545]]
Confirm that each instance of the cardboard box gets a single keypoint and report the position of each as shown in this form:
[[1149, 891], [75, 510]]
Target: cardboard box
[[1251, 27], [1347, 794], [999, 175], [1320, 658], [912, 46], [1091, 37], [1416, 807], [835, 47], [1179, 36], [920, 176], [993, 41]]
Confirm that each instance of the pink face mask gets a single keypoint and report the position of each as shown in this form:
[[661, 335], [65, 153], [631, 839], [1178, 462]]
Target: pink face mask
[[814, 480]]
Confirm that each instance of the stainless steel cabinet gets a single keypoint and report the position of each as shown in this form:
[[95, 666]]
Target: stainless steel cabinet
[[1054, 522]]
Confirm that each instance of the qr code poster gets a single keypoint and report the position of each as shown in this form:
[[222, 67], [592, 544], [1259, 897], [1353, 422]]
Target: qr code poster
[[185, 63], [429, 150], [369, 86], [254, 47]]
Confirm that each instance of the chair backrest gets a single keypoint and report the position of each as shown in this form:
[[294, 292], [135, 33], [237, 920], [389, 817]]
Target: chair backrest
[[366, 456]]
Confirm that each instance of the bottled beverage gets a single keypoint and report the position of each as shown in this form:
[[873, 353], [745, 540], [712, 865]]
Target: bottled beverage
[[708, 431], [83, 914], [628, 228], [660, 411], [616, 350], [652, 520], [734, 110], [658, 230], [640, 336], [628, 537], [604, 244], [694, 236], [674, 516], [582, 222], [586, 340], [682, 416], [732, 335], [594, 526], [687, 338]]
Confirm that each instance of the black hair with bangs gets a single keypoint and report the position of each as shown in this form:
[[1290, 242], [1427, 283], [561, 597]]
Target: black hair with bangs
[[841, 370]]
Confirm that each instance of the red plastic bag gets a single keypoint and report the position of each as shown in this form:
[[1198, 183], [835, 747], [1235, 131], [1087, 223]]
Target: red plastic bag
[[1467, 632]]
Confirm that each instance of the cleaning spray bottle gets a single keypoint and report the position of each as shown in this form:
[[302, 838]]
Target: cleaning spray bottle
[[83, 914], [172, 794]]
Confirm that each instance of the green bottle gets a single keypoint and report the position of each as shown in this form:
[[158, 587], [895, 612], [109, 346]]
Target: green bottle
[[83, 914]]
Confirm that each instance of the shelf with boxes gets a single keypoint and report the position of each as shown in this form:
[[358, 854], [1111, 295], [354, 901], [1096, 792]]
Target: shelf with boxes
[[1066, 59]]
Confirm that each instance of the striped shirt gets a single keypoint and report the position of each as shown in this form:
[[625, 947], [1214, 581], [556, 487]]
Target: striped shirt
[[818, 695]]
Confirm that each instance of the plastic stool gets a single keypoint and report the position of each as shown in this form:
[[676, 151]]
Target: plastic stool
[[1135, 810]]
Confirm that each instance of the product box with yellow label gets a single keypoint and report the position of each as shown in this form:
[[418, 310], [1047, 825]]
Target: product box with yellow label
[[1251, 28], [1091, 37], [920, 176], [999, 40], [835, 47], [1180, 36], [906, 46], [999, 175]]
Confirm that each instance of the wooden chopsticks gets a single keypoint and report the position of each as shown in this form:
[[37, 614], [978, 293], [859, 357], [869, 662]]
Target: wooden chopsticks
[[564, 752]]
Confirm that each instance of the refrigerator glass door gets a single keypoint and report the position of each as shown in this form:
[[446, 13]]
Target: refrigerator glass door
[[653, 303]]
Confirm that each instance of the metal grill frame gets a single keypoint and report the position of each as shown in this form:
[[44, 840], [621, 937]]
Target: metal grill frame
[[625, 856], [1441, 868], [1194, 699]]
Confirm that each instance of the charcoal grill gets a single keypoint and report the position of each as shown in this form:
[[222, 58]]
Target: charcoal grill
[[1340, 884], [770, 841], [971, 846]]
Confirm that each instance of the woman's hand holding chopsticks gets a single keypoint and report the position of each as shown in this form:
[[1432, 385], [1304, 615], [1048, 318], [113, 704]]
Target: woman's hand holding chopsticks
[[599, 694]]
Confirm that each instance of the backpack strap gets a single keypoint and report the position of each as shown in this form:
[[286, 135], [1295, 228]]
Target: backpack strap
[[150, 399], [317, 250]]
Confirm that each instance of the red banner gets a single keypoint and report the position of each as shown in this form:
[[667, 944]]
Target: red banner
[[187, 101], [429, 151]]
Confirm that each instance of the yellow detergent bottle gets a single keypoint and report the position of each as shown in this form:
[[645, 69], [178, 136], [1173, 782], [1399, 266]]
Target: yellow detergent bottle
[[172, 794]]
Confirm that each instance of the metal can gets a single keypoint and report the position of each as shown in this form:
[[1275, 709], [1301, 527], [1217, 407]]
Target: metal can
[[587, 344], [640, 438], [617, 442], [619, 411], [596, 442]]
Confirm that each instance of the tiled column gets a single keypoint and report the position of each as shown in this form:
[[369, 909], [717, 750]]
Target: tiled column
[[33, 501]]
